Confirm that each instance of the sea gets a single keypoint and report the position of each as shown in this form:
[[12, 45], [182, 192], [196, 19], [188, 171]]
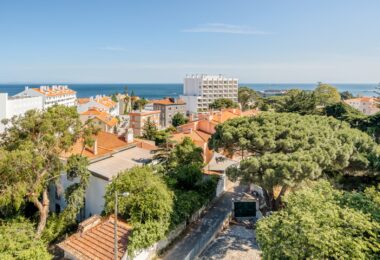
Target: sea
[[154, 91]]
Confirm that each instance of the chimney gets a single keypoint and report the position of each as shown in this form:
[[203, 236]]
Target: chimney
[[95, 147], [129, 136], [89, 223]]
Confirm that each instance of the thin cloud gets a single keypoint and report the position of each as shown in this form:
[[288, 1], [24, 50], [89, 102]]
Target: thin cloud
[[225, 28], [112, 48]]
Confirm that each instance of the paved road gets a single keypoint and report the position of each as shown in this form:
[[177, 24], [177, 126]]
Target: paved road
[[199, 233], [234, 243]]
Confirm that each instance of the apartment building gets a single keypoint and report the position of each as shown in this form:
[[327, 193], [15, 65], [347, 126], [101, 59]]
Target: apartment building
[[169, 107], [52, 95], [199, 91], [102, 103], [139, 118], [366, 105], [17, 105]]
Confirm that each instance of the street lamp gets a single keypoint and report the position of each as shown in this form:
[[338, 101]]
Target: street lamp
[[124, 194]]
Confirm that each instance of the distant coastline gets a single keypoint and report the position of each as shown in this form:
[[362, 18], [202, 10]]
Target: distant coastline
[[152, 90]]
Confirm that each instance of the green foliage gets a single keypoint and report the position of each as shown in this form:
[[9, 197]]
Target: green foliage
[[315, 224], [367, 202], [30, 158], [326, 95], [248, 98], [297, 101], [285, 149], [161, 138], [186, 153], [150, 130], [140, 104], [148, 206], [144, 235], [369, 124], [187, 176], [221, 103], [114, 97], [346, 95], [17, 241], [182, 171], [179, 119]]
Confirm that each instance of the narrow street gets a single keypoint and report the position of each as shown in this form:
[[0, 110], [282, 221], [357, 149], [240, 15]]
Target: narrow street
[[196, 238]]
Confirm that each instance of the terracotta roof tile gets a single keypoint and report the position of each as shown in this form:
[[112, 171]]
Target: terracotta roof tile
[[102, 116], [54, 91], [168, 101], [97, 241], [103, 100], [106, 143]]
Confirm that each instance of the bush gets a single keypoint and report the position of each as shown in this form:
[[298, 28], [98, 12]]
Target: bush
[[17, 241]]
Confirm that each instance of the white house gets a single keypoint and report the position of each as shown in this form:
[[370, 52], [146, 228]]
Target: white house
[[102, 103], [54, 95], [109, 156], [199, 91], [366, 105], [17, 105]]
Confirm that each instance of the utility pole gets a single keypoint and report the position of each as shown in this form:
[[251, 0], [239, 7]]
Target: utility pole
[[115, 227]]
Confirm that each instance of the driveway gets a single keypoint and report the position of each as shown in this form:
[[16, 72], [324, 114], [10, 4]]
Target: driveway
[[234, 243]]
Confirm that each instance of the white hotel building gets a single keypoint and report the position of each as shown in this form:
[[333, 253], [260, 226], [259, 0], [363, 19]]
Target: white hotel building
[[56, 94], [199, 91], [17, 105]]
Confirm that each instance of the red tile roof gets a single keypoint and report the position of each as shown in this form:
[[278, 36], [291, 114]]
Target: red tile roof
[[103, 100], [107, 143], [168, 101], [50, 92], [95, 239], [102, 116]]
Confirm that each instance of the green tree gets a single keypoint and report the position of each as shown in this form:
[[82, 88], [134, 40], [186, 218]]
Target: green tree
[[326, 95], [248, 98], [147, 208], [318, 223], [296, 101], [179, 119], [114, 97], [186, 153], [150, 130], [140, 104], [30, 160], [17, 241], [346, 95], [221, 103], [285, 149], [369, 124]]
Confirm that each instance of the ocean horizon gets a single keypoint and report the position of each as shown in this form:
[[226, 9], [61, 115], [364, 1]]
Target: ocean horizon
[[160, 90]]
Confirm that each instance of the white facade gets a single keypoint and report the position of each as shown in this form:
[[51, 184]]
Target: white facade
[[17, 105], [103, 103], [366, 105], [199, 91], [56, 94], [102, 172]]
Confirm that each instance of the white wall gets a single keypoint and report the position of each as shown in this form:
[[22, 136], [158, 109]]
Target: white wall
[[14, 106], [92, 103], [191, 86], [191, 103], [95, 196]]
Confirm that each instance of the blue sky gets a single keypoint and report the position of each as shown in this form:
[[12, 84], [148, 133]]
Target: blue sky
[[269, 41]]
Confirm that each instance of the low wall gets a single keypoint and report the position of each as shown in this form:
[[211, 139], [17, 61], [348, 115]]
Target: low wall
[[152, 252], [208, 236]]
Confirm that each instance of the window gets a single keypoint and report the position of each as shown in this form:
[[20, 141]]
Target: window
[[57, 208]]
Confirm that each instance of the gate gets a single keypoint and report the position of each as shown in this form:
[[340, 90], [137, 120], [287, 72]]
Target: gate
[[245, 209]]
